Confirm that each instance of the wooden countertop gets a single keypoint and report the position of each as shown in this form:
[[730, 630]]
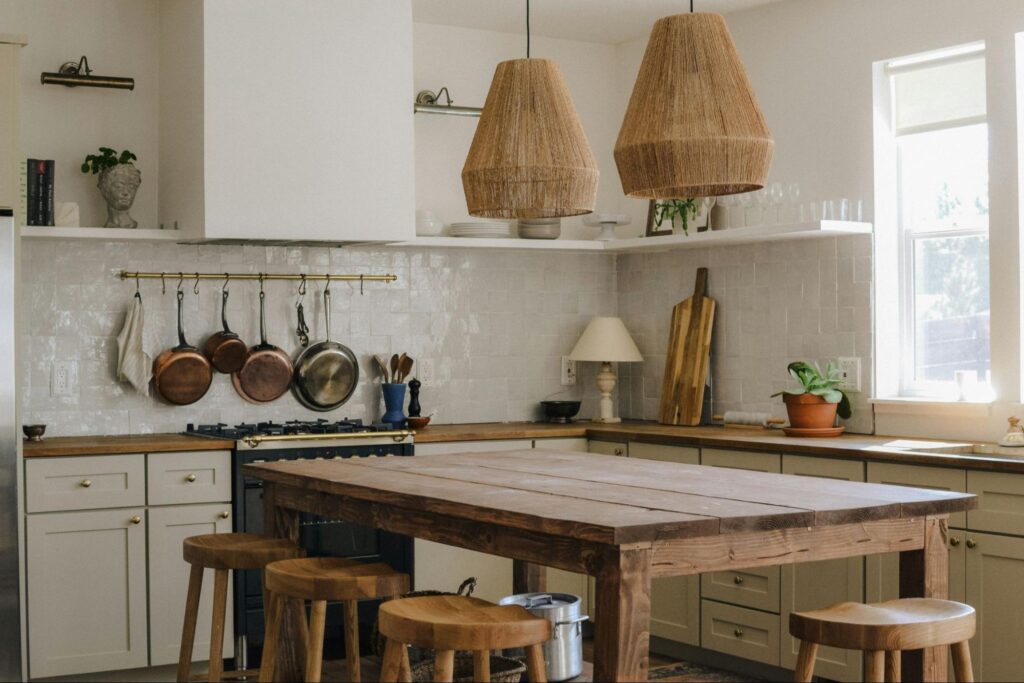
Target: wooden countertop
[[876, 448]]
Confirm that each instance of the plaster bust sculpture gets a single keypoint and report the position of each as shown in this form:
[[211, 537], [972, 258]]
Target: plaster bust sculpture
[[118, 185]]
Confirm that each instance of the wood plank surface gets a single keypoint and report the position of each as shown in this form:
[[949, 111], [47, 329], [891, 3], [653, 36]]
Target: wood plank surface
[[61, 446]]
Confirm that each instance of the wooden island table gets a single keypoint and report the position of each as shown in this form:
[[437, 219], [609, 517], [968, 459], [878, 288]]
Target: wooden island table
[[622, 521]]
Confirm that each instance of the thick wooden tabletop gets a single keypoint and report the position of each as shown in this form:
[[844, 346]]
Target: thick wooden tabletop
[[607, 499]]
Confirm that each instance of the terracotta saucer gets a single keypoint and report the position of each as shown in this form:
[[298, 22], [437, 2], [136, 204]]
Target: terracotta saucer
[[820, 433]]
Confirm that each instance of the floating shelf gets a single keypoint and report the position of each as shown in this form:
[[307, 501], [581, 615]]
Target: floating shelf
[[732, 236], [103, 234]]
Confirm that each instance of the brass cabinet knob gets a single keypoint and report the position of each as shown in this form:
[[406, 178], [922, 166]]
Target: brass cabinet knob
[[225, 514], [86, 483], [738, 633], [971, 543], [738, 580], [190, 478], [954, 541], [136, 520], [619, 451]]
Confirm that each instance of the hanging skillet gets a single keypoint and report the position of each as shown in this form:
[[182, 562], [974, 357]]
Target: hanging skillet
[[267, 371], [181, 375], [226, 351], [327, 372]]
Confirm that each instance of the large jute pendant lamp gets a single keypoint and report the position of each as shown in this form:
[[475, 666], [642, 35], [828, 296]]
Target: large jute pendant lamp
[[530, 157], [693, 127]]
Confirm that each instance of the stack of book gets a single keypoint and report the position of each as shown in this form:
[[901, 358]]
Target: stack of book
[[39, 204]]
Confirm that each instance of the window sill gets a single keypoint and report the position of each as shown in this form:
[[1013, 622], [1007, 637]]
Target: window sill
[[932, 407]]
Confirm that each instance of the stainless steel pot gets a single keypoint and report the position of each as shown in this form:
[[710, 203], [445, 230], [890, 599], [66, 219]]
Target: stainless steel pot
[[563, 654]]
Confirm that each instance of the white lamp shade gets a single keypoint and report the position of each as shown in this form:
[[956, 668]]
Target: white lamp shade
[[606, 340]]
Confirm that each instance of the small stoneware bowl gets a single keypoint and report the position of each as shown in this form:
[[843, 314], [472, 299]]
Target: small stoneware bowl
[[33, 432], [417, 422]]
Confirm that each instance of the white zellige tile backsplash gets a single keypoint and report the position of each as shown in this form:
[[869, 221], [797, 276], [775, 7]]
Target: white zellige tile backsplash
[[487, 328]]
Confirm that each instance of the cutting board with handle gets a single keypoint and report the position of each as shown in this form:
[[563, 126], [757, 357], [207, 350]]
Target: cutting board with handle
[[689, 351]]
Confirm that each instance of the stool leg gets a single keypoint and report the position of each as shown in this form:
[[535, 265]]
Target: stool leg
[[874, 666], [220, 607], [444, 666], [315, 651], [404, 668], [805, 662], [482, 665], [188, 630], [892, 666], [271, 637], [392, 662], [351, 609], [962, 671], [535, 663]]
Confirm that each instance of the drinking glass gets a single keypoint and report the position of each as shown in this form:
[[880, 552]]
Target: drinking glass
[[761, 199], [793, 198], [841, 209], [777, 194]]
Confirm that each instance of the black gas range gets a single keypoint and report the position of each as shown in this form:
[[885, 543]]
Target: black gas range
[[293, 440]]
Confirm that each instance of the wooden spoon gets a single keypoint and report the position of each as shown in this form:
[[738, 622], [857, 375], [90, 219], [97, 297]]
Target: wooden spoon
[[394, 367], [383, 369], [404, 367]]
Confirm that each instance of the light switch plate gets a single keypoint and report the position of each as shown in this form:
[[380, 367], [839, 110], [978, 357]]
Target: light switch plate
[[849, 369]]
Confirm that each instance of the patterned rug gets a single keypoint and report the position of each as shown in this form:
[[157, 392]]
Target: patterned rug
[[684, 672]]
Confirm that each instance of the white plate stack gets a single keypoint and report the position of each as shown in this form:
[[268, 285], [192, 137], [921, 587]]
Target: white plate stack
[[490, 229]]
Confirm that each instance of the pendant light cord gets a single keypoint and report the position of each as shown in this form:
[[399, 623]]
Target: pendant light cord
[[528, 27], [691, 6]]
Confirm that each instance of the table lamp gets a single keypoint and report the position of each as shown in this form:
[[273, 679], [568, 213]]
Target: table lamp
[[606, 341]]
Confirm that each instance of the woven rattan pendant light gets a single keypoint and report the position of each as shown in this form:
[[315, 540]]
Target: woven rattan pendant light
[[530, 157], [693, 127]]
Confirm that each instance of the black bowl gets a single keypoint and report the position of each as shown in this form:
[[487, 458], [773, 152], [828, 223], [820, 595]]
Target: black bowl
[[560, 411]]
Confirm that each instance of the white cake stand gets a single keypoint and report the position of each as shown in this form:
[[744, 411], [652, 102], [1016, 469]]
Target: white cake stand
[[607, 223]]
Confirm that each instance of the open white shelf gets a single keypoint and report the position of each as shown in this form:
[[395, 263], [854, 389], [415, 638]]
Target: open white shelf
[[103, 234], [711, 238]]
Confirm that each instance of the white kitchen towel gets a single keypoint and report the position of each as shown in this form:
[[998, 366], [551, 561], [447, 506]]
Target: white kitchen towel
[[133, 364]]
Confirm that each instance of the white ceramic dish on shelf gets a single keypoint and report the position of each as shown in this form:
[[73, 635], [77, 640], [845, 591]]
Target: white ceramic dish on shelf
[[480, 229]]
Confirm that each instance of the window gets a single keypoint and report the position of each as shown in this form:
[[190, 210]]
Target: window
[[940, 134]]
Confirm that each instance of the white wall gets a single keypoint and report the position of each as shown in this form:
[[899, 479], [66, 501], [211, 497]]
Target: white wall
[[66, 124]]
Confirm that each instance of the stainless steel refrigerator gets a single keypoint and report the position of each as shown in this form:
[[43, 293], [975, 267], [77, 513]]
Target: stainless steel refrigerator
[[12, 639]]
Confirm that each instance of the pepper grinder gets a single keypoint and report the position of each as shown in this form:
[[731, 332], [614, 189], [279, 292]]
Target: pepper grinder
[[414, 397]]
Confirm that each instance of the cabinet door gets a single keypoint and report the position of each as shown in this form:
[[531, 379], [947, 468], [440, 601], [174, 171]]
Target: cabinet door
[[815, 585], [1000, 502], [675, 601], [995, 573], [168, 580], [86, 580]]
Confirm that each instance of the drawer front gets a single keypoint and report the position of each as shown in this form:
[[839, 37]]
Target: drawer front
[[608, 447], [758, 588], [194, 477], [85, 483], [740, 632], [938, 478], [568, 444], [653, 451], [741, 460], [1000, 502]]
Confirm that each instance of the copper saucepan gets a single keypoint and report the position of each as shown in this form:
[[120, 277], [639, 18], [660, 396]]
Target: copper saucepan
[[182, 375], [267, 372], [226, 351]]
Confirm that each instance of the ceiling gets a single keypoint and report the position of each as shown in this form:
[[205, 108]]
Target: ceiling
[[601, 21]]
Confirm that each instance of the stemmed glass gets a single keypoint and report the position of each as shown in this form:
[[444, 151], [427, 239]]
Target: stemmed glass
[[776, 194], [762, 199], [793, 198]]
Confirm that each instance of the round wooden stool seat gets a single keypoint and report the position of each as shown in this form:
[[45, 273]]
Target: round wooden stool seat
[[908, 624], [334, 578], [237, 551], [455, 622]]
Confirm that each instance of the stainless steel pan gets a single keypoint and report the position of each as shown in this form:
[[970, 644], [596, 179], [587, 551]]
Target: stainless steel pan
[[327, 372]]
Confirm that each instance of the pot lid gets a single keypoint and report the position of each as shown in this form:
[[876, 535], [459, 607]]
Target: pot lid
[[541, 601]]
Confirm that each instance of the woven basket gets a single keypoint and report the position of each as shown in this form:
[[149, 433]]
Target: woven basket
[[418, 654], [503, 670]]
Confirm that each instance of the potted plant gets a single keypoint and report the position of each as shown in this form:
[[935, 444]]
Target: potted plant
[[679, 213], [817, 400], [119, 180]]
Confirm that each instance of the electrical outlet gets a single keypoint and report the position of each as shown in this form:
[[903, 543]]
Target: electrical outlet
[[568, 372], [849, 370], [62, 378]]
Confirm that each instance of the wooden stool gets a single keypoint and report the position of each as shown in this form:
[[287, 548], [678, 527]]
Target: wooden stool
[[447, 623], [319, 579], [885, 628], [221, 553]]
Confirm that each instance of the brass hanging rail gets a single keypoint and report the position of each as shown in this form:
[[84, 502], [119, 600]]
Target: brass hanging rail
[[308, 277]]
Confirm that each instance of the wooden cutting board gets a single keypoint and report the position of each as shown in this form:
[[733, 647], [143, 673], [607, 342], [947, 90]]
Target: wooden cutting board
[[689, 351]]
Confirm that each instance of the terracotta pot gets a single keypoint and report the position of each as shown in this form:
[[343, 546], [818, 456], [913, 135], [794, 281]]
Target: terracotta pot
[[808, 411]]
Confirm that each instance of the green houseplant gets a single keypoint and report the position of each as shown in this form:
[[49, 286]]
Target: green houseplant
[[670, 209], [119, 181], [817, 398]]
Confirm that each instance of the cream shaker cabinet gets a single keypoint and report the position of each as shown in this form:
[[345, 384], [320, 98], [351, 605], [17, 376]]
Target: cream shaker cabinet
[[287, 120], [994, 573]]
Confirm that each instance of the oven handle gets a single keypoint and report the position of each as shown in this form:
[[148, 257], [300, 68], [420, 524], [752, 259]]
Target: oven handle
[[398, 436]]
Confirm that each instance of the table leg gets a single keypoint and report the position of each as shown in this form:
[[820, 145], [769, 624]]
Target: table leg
[[291, 652], [528, 577], [925, 574], [623, 615]]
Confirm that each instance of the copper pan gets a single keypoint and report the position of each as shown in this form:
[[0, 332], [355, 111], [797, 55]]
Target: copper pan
[[226, 351], [181, 375], [267, 372]]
